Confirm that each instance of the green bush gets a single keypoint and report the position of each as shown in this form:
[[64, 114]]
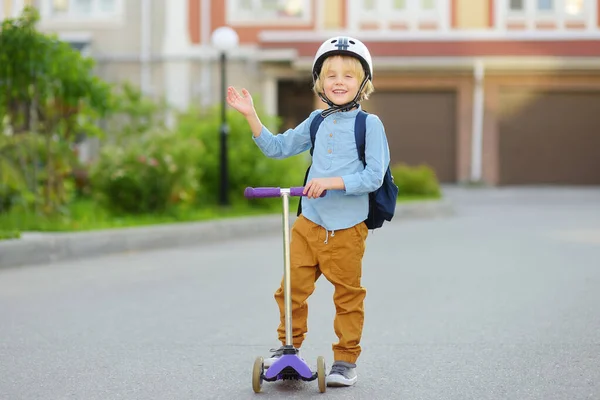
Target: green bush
[[247, 165], [416, 181], [157, 172], [35, 172], [8, 197]]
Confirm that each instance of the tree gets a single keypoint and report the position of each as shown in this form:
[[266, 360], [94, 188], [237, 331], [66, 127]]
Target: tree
[[47, 91]]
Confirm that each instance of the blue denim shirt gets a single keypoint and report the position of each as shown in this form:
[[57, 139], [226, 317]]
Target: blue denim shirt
[[335, 155]]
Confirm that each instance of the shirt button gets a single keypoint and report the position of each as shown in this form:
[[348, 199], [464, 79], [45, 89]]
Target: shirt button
[[331, 135], [329, 151], [335, 121]]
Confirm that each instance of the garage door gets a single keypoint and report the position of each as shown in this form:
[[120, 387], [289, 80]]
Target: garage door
[[421, 128], [549, 137]]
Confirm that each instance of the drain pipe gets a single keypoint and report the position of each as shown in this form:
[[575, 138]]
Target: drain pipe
[[477, 132], [205, 70], [146, 47]]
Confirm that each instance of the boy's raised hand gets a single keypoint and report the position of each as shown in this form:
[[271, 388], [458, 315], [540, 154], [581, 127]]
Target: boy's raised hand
[[242, 103]]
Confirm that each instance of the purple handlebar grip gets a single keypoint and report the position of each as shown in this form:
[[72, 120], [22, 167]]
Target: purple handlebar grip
[[297, 191], [254, 193]]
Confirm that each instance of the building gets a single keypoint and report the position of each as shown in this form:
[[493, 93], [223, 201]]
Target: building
[[501, 91]]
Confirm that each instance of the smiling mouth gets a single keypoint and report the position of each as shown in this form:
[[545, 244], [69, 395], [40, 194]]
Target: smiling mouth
[[340, 92]]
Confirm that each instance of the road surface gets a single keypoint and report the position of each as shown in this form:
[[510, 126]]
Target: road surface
[[500, 301]]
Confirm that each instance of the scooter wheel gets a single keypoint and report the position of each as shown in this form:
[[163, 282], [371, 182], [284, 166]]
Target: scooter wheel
[[321, 374], [257, 374]]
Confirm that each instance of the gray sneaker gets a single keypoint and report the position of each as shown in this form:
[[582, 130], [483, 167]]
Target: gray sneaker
[[342, 374], [277, 353]]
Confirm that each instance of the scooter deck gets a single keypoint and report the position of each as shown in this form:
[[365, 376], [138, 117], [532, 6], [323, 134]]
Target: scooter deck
[[289, 367]]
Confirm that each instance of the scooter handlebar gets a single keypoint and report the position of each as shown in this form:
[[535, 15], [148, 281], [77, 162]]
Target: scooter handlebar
[[263, 192]]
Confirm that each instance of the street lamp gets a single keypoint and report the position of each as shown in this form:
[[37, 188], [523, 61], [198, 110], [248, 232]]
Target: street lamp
[[224, 39]]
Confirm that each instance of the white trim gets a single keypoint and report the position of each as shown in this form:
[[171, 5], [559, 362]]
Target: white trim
[[146, 46], [75, 36], [477, 130], [273, 36], [593, 21], [177, 86], [205, 22], [466, 63], [60, 24], [319, 18], [201, 53], [176, 39], [276, 54], [204, 87], [17, 7], [269, 94], [259, 17]]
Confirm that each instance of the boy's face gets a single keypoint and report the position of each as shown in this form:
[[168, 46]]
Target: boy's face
[[340, 81]]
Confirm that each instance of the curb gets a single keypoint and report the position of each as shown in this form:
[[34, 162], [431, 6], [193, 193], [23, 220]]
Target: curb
[[46, 248]]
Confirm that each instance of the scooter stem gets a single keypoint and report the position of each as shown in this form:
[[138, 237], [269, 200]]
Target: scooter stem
[[286, 269]]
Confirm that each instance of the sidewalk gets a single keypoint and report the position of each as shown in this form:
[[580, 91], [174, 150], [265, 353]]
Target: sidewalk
[[46, 248]]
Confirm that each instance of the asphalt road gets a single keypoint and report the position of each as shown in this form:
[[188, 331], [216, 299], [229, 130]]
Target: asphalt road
[[501, 301]]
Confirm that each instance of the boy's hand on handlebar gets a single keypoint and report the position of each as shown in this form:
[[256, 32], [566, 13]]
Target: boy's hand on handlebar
[[315, 187]]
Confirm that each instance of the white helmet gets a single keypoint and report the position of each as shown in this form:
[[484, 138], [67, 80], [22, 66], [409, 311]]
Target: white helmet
[[346, 46]]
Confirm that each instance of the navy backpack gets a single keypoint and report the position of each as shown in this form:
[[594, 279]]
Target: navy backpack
[[382, 202]]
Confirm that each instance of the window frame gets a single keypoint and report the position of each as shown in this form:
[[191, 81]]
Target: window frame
[[412, 15], [532, 15], [235, 15], [47, 12]]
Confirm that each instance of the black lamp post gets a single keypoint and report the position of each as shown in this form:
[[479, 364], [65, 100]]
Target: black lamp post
[[224, 39]]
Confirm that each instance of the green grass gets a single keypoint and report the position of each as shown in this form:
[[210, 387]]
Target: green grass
[[85, 215], [4, 235]]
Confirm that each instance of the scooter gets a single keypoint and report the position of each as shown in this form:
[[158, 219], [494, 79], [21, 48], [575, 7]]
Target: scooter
[[289, 366]]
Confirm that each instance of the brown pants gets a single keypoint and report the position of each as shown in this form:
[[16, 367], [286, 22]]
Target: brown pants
[[340, 260]]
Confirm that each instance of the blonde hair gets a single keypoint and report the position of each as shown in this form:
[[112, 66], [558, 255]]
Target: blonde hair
[[357, 70]]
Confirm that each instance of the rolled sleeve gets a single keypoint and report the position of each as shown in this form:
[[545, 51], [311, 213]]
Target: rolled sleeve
[[352, 184], [291, 142]]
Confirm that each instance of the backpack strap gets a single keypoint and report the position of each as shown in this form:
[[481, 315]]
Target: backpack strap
[[314, 127], [360, 133]]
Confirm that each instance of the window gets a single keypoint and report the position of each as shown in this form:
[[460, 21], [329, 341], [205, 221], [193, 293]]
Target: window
[[428, 4], [83, 7], [107, 6], [548, 14], [369, 5], [263, 11], [516, 5], [545, 5], [399, 4], [400, 14], [574, 7]]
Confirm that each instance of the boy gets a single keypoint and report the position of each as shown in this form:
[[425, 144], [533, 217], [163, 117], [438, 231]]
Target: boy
[[329, 235]]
